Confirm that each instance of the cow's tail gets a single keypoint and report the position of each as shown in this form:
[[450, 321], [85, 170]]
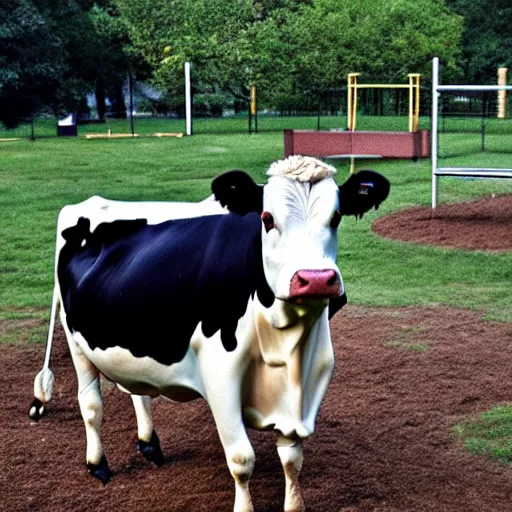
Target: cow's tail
[[43, 381]]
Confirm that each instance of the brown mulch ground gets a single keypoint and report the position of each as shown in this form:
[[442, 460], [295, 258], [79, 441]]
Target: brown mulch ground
[[383, 443], [484, 225]]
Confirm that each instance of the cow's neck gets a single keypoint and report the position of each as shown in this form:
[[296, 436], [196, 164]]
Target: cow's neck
[[280, 334]]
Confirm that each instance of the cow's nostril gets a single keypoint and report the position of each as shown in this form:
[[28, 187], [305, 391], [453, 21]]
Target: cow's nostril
[[332, 281], [302, 281]]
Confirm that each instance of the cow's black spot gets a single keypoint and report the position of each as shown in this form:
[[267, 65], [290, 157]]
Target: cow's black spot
[[145, 288]]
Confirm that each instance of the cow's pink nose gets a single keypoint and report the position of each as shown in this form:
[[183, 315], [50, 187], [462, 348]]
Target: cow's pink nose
[[315, 283]]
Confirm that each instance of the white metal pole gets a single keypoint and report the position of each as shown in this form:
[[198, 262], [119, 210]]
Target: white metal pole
[[434, 131], [188, 100]]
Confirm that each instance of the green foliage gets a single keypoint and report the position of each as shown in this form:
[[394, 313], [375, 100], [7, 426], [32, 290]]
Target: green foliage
[[30, 61], [53, 53], [289, 47], [487, 39], [212, 105]]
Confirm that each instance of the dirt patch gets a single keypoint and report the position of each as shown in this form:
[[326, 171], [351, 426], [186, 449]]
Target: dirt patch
[[484, 225], [383, 442]]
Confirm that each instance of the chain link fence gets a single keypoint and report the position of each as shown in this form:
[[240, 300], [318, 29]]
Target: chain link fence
[[221, 112]]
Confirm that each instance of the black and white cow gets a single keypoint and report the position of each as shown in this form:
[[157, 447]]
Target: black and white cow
[[100, 211], [229, 307]]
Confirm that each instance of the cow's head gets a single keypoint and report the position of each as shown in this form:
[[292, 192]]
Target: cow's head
[[301, 207]]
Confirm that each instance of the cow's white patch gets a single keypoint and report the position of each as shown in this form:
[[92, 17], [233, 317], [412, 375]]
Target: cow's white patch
[[145, 376]]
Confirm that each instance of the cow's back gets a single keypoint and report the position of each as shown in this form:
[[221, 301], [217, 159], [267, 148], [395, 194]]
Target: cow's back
[[146, 288]]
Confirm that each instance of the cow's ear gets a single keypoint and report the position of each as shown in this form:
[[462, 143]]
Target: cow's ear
[[239, 192], [362, 191]]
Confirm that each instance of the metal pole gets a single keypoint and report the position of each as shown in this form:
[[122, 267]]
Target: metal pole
[[318, 113], [434, 132], [130, 84], [417, 109], [188, 100], [349, 102], [352, 101], [411, 104], [254, 109], [482, 123]]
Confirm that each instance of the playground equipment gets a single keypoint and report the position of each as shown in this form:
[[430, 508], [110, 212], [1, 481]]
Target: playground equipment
[[475, 172], [414, 98], [354, 145]]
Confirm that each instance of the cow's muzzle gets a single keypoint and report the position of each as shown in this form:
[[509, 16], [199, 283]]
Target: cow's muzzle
[[323, 284]]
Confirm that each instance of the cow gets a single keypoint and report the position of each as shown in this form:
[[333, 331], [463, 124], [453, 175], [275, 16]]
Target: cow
[[101, 210], [229, 307]]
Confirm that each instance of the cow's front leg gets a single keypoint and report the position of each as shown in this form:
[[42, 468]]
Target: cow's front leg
[[224, 399], [237, 447], [148, 443], [290, 453]]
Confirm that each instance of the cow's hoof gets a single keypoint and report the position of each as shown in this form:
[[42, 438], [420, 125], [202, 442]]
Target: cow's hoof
[[100, 471], [36, 409], [151, 450]]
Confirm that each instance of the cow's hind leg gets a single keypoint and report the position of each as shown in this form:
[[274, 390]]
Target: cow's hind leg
[[91, 407], [290, 453], [148, 443]]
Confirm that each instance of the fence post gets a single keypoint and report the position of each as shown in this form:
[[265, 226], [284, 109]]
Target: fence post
[[188, 100], [254, 108], [502, 95], [130, 84]]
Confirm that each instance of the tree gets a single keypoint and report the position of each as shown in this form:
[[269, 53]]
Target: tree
[[53, 52], [487, 38], [30, 62], [287, 46]]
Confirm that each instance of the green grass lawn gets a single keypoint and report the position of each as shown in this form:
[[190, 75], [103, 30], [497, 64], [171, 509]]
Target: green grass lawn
[[490, 434], [38, 178]]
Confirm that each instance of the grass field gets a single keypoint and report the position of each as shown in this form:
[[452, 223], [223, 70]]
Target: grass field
[[38, 178]]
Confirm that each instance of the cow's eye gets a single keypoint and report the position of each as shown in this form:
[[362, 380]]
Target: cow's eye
[[268, 221], [336, 219]]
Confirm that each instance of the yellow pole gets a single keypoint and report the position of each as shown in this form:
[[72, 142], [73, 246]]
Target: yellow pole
[[502, 95], [411, 106], [417, 112], [414, 101], [253, 99], [352, 101], [349, 101]]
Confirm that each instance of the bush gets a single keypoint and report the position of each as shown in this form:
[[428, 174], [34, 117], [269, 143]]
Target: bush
[[212, 104]]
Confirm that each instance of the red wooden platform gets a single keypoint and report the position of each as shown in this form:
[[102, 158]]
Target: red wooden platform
[[382, 144]]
